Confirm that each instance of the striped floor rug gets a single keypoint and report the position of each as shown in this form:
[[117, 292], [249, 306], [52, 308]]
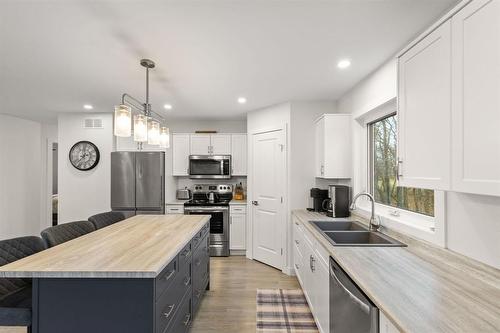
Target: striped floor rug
[[280, 310]]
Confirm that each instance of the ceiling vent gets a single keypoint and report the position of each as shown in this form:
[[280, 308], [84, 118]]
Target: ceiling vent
[[92, 123]]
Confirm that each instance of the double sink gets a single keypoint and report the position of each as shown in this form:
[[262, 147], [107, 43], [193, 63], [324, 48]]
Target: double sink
[[353, 233]]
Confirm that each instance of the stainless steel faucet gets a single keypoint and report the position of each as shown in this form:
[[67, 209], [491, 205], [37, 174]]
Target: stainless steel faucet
[[373, 226]]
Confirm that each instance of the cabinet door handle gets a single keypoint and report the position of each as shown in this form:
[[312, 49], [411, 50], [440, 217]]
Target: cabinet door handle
[[255, 203], [322, 170], [296, 266], [169, 312], [399, 174], [311, 263], [198, 294], [297, 241]]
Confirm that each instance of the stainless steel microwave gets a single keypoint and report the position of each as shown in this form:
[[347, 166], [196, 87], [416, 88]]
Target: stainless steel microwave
[[210, 166]]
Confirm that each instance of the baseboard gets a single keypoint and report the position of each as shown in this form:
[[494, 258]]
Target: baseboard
[[288, 271], [237, 252]]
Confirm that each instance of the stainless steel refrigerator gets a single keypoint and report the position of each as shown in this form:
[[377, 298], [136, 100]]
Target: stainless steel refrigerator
[[138, 182]]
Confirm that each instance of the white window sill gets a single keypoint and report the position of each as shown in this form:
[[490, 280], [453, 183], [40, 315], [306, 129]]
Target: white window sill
[[415, 225]]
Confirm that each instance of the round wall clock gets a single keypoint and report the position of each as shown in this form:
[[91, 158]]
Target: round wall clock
[[84, 155]]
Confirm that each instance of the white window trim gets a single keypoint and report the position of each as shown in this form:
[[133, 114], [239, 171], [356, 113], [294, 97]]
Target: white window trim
[[427, 228]]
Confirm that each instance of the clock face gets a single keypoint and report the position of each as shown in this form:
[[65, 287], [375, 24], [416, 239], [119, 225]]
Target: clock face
[[84, 155]]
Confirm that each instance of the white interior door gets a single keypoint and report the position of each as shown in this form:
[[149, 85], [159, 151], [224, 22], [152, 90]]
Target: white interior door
[[268, 216]]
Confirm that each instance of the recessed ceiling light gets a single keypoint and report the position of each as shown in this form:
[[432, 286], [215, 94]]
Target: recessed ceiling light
[[344, 63], [168, 106], [88, 107], [242, 100]]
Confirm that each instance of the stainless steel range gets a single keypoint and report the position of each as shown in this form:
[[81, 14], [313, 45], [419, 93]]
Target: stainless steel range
[[213, 200]]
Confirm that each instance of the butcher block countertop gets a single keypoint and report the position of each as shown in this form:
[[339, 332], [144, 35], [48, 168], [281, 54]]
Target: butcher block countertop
[[420, 288], [138, 247]]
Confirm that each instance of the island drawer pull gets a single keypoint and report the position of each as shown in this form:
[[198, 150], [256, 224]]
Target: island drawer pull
[[198, 293], [169, 275], [188, 319], [171, 309], [198, 262], [186, 253]]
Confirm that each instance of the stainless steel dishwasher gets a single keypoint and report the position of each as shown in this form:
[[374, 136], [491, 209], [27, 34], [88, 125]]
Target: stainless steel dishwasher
[[350, 310]]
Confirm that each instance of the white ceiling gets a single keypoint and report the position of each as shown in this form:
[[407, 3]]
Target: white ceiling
[[56, 56]]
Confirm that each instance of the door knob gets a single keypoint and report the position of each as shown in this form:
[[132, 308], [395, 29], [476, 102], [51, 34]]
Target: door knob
[[255, 203]]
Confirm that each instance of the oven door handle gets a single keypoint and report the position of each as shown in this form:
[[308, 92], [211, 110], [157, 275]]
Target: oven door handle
[[206, 209]]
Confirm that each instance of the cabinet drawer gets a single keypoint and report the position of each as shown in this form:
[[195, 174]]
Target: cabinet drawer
[[165, 278], [238, 210], [200, 281], [175, 209], [185, 256], [200, 236], [169, 303], [183, 317]]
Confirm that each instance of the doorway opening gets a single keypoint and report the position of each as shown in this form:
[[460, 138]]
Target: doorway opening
[[55, 195]]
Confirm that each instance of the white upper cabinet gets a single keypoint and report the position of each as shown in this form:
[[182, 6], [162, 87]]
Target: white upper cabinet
[[184, 145], [333, 146], [220, 144], [210, 144], [180, 154], [424, 110], [239, 154], [200, 144], [476, 98]]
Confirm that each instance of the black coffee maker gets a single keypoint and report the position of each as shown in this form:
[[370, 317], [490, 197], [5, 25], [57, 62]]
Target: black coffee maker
[[318, 196]]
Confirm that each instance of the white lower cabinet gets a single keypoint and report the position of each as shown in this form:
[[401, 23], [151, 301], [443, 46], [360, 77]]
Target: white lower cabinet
[[237, 227], [175, 209], [385, 325], [311, 268]]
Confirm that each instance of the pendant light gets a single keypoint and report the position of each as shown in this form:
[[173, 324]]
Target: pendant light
[[165, 137], [123, 121], [153, 132], [140, 128], [146, 124]]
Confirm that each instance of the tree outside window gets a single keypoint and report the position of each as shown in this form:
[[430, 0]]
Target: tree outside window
[[383, 137]]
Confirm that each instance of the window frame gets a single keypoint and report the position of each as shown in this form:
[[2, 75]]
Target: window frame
[[371, 173], [427, 228]]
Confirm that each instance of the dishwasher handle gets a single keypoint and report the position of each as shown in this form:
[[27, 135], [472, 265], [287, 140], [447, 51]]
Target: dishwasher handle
[[361, 304]]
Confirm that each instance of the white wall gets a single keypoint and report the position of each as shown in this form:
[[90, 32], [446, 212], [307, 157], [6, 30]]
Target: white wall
[[84, 193], [472, 221], [20, 177], [302, 158]]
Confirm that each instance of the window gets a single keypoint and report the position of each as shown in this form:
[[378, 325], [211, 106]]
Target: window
[[383, 173]]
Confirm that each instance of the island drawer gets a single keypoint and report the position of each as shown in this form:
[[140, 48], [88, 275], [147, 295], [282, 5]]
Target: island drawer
[[197, 239], [200, 281], [183, 317], [170, 301], [185, 256], [165, 278]]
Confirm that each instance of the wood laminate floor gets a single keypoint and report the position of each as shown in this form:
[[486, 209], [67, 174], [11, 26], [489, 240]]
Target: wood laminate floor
[[230, 306]]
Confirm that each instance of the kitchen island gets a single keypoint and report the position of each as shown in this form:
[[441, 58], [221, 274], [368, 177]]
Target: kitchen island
[[145, 274]]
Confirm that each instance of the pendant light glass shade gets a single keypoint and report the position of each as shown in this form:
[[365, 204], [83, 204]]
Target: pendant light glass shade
[[140, 128], [165, 137], [153, 132], [123, 121]]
